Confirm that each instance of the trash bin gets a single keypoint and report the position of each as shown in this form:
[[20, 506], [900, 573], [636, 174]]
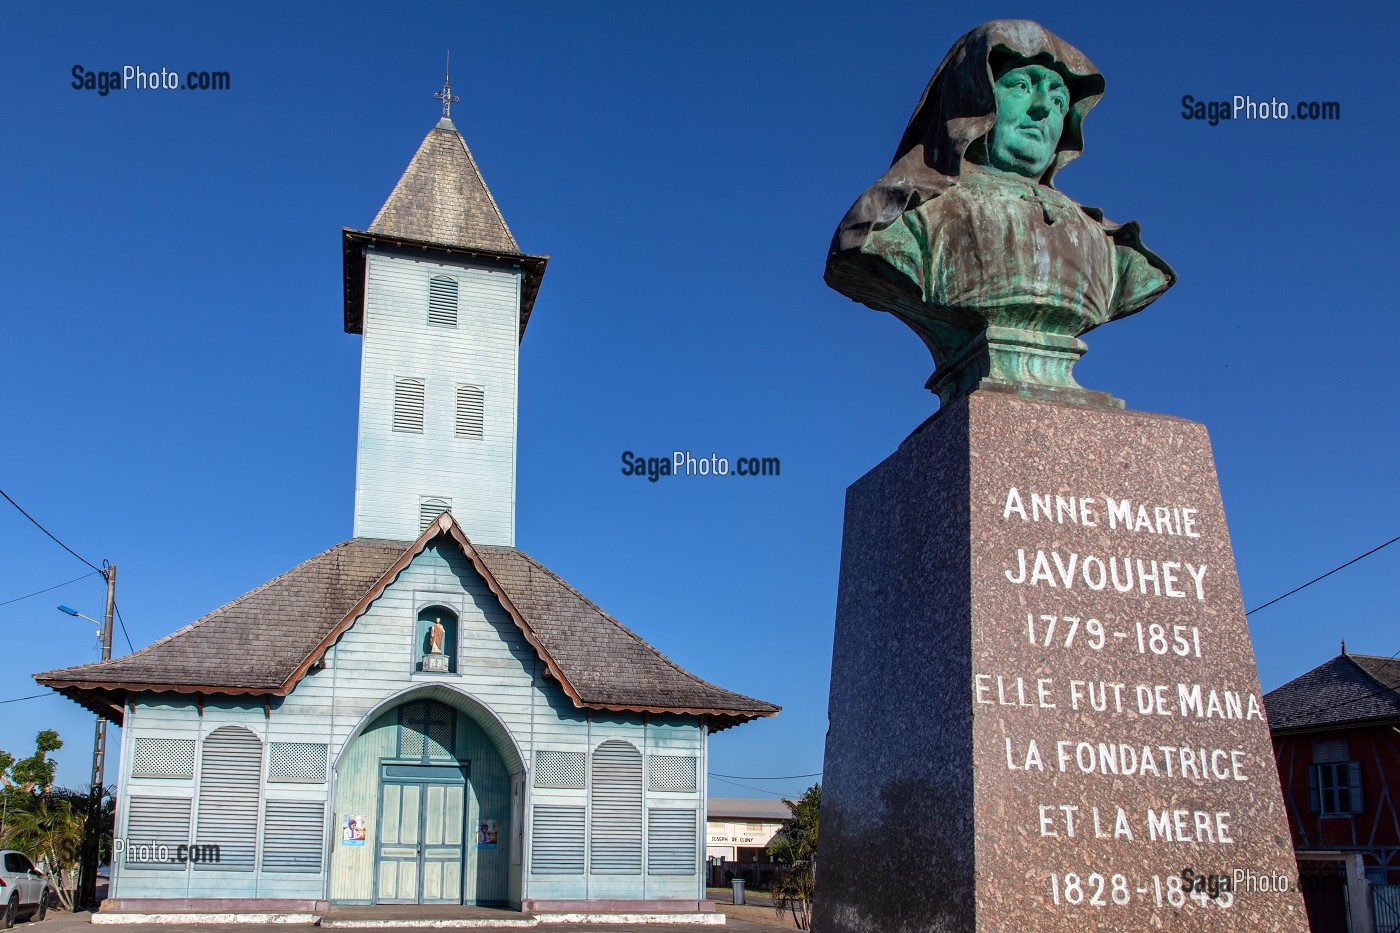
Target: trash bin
[[738, 885]]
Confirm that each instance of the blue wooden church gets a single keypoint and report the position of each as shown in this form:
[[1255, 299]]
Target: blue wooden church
[[422, 714]]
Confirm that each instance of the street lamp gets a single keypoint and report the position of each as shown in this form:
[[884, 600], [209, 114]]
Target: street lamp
[[87, 882], [74, 612]]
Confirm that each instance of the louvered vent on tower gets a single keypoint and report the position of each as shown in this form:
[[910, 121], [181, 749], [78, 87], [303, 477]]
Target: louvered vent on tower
[[408, 405], [429, 510], [442, 301], [471, 411]]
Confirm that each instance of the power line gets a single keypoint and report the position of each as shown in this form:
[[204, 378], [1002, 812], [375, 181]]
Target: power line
[[47, 588], [34, 697], [123, 625], [758, 789], [99, 570], [51, 534], [1324, 576], [750, 777]]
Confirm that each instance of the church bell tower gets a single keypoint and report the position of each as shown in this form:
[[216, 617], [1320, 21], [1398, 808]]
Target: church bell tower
[[440, 293]]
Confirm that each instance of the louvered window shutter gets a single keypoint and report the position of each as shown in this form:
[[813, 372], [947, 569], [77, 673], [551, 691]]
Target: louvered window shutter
[[1332, 750], [615, 821], [471, 411], [230, 782], [556, 841], [408, 405], [442, 301], [672, 844], [293, 835], [157, 826]]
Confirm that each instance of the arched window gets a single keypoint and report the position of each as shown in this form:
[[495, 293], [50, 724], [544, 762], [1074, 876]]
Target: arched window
[[230, 783], [442, 301], [448, 648], [615, 814]]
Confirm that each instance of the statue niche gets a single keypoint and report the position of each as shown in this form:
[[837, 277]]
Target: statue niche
[[437, 640]]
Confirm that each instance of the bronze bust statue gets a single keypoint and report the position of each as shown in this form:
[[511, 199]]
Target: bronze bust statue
[[966, 239]]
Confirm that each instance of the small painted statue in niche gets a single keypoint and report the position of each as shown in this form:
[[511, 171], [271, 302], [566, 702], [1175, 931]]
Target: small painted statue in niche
[[965, 238], [435, 635]]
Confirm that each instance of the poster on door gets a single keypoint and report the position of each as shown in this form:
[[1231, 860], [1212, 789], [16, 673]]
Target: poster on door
[[486, 834], [352, 833]]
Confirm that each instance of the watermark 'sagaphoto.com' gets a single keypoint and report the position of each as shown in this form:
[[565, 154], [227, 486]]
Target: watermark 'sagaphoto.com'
[[154, 853], [1244, 107], [134, 77], [685, 463]]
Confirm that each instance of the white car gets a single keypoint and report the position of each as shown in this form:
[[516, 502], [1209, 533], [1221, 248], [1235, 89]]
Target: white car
[[23, 890]]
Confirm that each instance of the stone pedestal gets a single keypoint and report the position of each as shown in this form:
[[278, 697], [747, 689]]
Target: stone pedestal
[[1044, 706], [435, 662]]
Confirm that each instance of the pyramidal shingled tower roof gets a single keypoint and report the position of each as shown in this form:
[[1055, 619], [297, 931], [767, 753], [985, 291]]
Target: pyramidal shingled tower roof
[[441, 198]]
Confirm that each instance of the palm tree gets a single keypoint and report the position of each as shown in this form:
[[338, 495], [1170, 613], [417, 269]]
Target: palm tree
[[52, 832], [795, 846]]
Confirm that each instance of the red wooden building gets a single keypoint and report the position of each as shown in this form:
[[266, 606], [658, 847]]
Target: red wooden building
[[1336, 732]]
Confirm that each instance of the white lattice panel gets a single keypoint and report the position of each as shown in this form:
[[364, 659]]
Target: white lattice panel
[[671, 772], [296, 761], [559, 769], [163, 758]]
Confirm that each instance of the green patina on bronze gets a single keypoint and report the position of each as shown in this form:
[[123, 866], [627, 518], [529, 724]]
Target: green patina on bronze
[[967, 240]]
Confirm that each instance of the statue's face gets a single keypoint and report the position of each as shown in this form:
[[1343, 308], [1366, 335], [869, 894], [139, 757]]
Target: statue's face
[[1032, 101]]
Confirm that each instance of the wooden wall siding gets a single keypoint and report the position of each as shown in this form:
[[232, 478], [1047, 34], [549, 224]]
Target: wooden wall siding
[[500, 690], [356, 794], [487, 878], [176, 716], [394, 469]]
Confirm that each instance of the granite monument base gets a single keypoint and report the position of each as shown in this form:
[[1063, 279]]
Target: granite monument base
[[1044, 711]]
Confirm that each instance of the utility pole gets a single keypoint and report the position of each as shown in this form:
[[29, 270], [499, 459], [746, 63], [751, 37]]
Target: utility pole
[[87, 883]]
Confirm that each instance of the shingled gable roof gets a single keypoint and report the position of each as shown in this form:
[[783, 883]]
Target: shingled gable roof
[[247, 647], [1347, 690]]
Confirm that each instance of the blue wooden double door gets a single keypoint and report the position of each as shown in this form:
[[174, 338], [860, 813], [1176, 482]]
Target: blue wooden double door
[[422, 833], [423, 810]]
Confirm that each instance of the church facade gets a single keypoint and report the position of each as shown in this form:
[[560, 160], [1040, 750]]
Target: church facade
[[422, 714]]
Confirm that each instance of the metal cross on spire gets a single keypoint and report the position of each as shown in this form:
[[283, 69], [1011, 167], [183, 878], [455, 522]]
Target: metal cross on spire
[[445, 95]]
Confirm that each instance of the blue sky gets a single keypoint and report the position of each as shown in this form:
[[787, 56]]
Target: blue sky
[[177, 394]]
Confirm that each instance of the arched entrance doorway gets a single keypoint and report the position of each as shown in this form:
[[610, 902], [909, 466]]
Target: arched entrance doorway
[[423, 809]]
